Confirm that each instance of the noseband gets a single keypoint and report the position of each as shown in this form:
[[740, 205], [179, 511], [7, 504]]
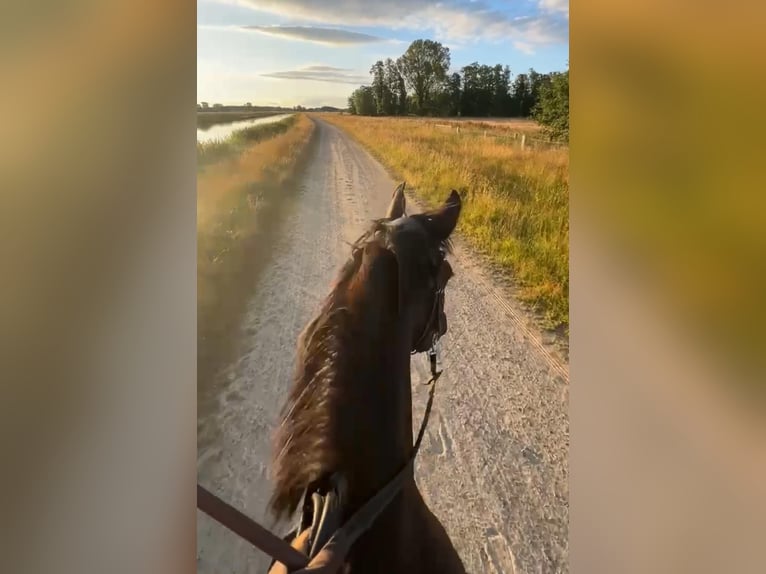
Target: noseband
[[330, 542]]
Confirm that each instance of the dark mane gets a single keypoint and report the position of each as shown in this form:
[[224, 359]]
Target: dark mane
[[305, 451], [312, 439]]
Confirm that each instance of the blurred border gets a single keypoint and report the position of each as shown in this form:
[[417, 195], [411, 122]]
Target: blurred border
[[98, 302], [667, 248], [98, 297]]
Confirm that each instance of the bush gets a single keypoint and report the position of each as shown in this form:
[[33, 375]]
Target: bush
[[552, 109]]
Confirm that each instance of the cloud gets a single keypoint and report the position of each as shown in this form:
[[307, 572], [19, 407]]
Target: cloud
[[561, 6], [332, 36], [322, 68], [321, 73], [524, 47], [448, 19]]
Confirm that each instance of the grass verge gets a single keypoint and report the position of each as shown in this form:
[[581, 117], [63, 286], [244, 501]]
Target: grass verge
[[215, 151], [516, 202], [238, 203]]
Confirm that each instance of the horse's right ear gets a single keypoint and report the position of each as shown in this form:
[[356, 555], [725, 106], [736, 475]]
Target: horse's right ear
[[442, 221], [396, 207]]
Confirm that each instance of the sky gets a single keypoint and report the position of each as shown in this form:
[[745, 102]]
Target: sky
[[316, 52]]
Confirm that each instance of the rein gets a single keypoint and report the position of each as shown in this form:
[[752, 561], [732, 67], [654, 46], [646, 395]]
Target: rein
[[332, 555]]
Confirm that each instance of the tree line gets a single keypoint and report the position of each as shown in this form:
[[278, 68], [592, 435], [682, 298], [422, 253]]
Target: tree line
[[249, 107], [419, 83]]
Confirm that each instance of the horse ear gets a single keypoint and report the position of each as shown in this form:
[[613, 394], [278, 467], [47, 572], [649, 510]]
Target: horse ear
[[396, 207], [441, 222]]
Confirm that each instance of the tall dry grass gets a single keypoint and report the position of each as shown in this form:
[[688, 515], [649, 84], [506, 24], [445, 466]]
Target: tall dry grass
[[238, 200], [516, 201], [500, 125]]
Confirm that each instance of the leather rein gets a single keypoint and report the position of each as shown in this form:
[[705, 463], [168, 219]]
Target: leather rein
[[332, 555]]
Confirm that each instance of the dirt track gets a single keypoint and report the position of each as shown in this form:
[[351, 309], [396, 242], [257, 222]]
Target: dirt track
[[494, 463]]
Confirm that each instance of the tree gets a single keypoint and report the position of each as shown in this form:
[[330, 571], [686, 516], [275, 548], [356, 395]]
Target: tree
[[552, 110], [501, 99], [486, 90], [536, 82], [521, 96], [454, 92], [424, 66], [205, 105], [471, 86], [364, 101], [397, 86], [351, 104], [384, 98]]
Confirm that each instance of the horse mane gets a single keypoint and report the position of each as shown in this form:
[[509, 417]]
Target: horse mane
[[304, 442], [309, 442]]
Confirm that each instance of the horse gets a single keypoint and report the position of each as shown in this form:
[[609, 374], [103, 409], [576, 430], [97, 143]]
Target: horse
[[346, 428]]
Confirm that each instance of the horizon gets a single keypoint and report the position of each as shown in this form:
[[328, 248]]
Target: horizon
[[257, 105], [291, 53]]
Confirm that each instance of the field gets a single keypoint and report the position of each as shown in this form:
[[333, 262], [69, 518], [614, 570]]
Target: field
[[499, 125], [239, 188], [516, 200]]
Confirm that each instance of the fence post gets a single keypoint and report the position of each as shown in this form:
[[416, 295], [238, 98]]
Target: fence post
[[523, 140]]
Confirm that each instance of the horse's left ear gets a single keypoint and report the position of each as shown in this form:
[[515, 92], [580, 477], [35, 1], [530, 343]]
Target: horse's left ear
[[396, 207], [441, 222]]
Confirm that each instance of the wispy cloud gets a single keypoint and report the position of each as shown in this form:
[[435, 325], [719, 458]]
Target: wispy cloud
[[448, 19], [332, 36], [524, 47], [321, 73], [561, 6], [220, 27]]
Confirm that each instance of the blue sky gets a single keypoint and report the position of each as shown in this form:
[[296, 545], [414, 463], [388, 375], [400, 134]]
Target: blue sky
[[316, 52]]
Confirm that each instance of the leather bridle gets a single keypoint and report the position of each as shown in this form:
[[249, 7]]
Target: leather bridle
[[326, 556]]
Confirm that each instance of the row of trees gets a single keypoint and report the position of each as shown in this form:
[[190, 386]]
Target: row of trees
[[418, 82], [248, 107]]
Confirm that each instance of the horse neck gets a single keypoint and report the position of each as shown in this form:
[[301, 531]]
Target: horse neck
[[378, 414], [350, 410]]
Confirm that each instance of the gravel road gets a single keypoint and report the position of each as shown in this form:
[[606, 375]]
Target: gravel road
[[493, 466]]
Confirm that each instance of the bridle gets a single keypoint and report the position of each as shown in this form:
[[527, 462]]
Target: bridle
[[327, 552], [433, 330]]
